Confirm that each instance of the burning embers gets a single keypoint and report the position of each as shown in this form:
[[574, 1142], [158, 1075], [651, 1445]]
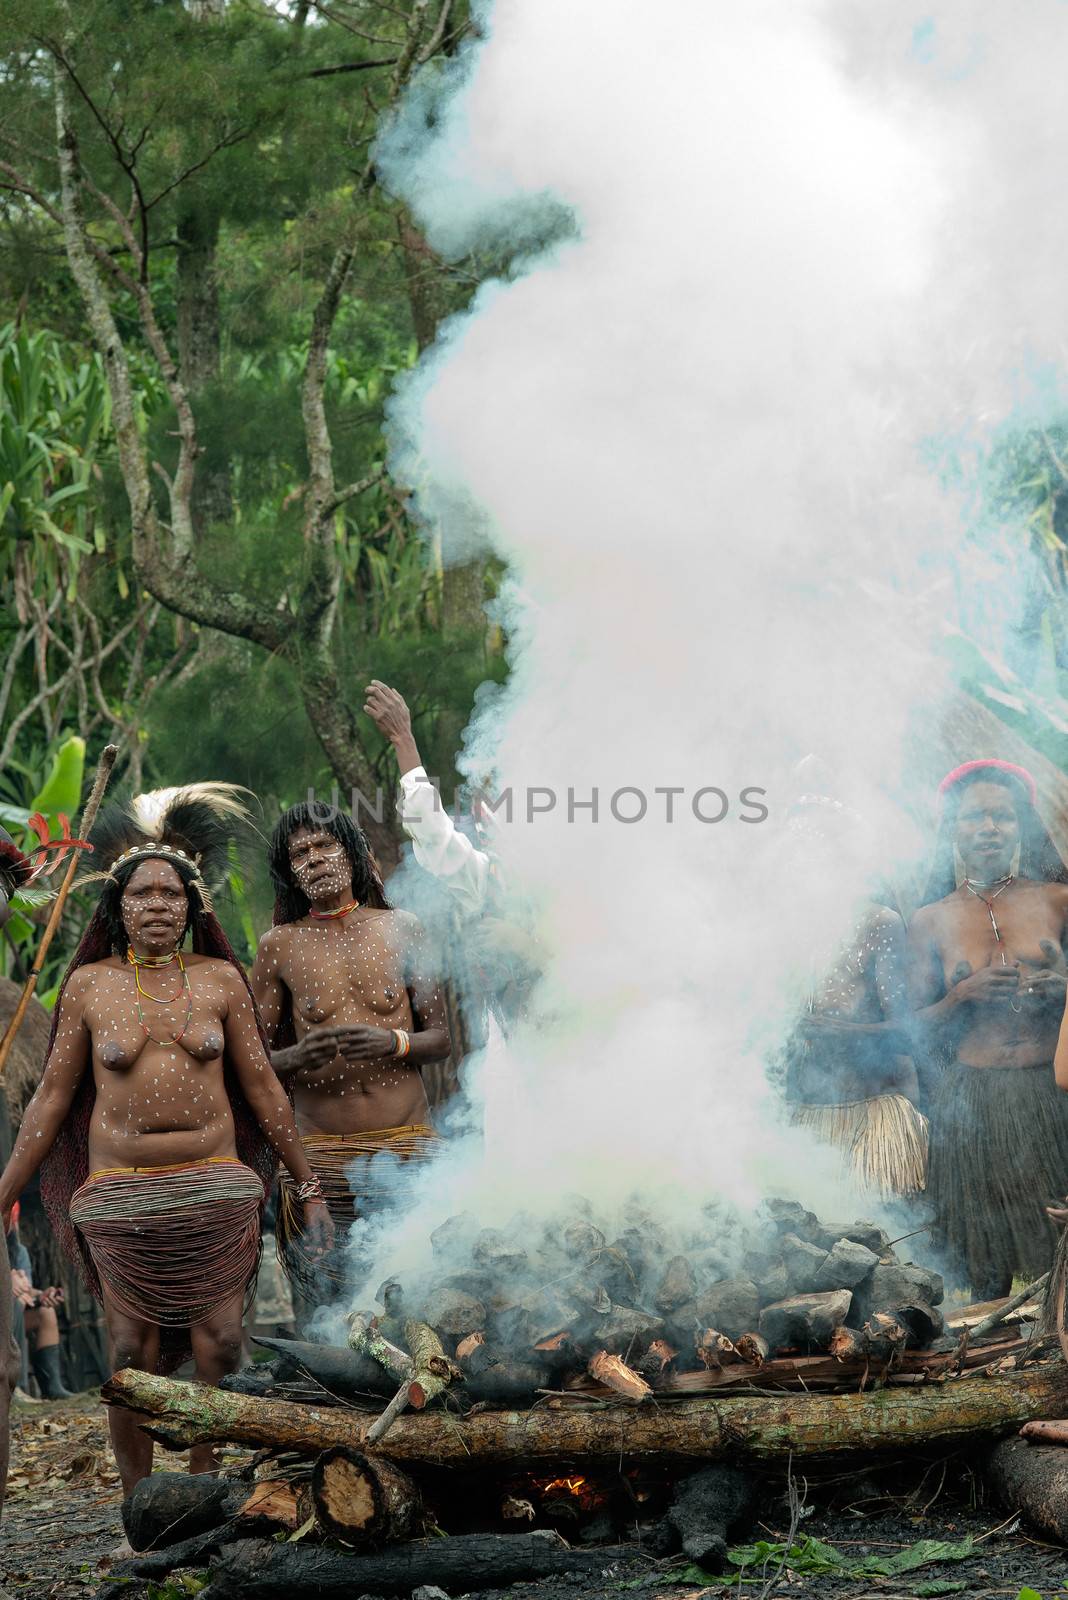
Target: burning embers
[[559, 1307]]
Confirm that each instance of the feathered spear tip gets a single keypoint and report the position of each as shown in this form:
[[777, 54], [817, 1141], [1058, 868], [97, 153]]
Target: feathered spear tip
[[200, 818]]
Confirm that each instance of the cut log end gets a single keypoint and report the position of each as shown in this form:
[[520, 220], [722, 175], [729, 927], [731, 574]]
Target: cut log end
[[614, 1373], [365, 1501]]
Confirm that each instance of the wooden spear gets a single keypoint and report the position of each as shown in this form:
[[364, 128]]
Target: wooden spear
[[88, 817]]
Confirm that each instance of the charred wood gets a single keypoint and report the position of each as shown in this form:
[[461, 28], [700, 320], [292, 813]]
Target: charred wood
[[709, 1508], [349, 1373], [465, 1564]]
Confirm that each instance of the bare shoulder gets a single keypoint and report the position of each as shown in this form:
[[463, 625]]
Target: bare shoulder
[[883, 919], [405, 929], [229, 977], [276, 943], [926, 921], [82, 982]]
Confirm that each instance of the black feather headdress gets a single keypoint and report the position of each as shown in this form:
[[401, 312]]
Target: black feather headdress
[[192, 826]]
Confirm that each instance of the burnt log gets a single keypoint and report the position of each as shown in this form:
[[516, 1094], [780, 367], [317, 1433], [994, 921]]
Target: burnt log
[[805, 1320], [363, 1500], [656, 1360], [347, 1373], [261, 1377], [1032, 1479], [757, 1427], [710, 1507], [465, 1564], [490, 1375], [171, 1506]]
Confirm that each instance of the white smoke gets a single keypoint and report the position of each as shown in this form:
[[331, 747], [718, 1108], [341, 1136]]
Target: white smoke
[[698, 428]]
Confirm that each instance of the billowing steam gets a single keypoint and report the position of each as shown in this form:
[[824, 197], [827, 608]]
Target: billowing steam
[[753, 297]]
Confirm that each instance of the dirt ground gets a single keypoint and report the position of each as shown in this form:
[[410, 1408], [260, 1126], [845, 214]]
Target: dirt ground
[[62, 1519]]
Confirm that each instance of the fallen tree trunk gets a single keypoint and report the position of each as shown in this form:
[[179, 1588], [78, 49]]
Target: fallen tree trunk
[[1032, 1479], [466, 1564], [760, 1427], [365, 1502]]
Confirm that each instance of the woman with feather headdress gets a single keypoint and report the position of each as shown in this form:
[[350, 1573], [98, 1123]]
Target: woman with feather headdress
[[158, 1119]]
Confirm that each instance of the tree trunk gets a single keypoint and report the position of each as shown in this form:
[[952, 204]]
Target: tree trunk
[[759, 1427], [363, 1501], [466, 1564]]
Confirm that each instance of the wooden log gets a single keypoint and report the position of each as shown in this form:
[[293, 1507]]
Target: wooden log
[[617, 1376], [432, 1370], [758, 1427], [347, 1373], [276, 1501], [714, 1350], [1032, 1479], [656, 1360], [363, 1500], [848, 1344], [753, 1349], [367, 1338], [1046, 1431], [465, 1564], [886, 1337]]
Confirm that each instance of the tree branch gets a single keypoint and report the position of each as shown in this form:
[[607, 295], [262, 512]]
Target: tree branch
[[352, 490]]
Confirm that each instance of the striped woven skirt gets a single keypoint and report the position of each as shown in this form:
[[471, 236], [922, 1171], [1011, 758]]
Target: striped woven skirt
[[362, 1174], [883, 1141], [172, 1244]]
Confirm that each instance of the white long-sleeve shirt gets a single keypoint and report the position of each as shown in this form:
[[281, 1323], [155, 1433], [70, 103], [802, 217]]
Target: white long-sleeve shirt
[[439, 847]]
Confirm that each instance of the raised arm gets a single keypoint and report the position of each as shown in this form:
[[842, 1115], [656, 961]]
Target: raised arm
[[67, 1063], [439, 847]]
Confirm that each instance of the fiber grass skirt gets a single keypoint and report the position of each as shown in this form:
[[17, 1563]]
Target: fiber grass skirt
[[172, 1244], [362, 1174], [883, 1140], [999, 1156]]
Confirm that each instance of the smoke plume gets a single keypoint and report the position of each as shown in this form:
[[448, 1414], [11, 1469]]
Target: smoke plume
[[777, 274]]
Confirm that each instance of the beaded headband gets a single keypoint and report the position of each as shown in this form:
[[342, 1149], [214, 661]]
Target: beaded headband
[[150, 849]]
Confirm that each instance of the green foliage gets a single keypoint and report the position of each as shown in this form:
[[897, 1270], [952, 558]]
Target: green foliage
[[813, 1558], [54, 414]]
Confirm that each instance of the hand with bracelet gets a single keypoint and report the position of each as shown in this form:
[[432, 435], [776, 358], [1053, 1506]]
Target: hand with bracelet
[[318, 1223], [360, 1042]]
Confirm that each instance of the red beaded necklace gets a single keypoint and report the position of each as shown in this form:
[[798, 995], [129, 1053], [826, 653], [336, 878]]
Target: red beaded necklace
[[342, 911]]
